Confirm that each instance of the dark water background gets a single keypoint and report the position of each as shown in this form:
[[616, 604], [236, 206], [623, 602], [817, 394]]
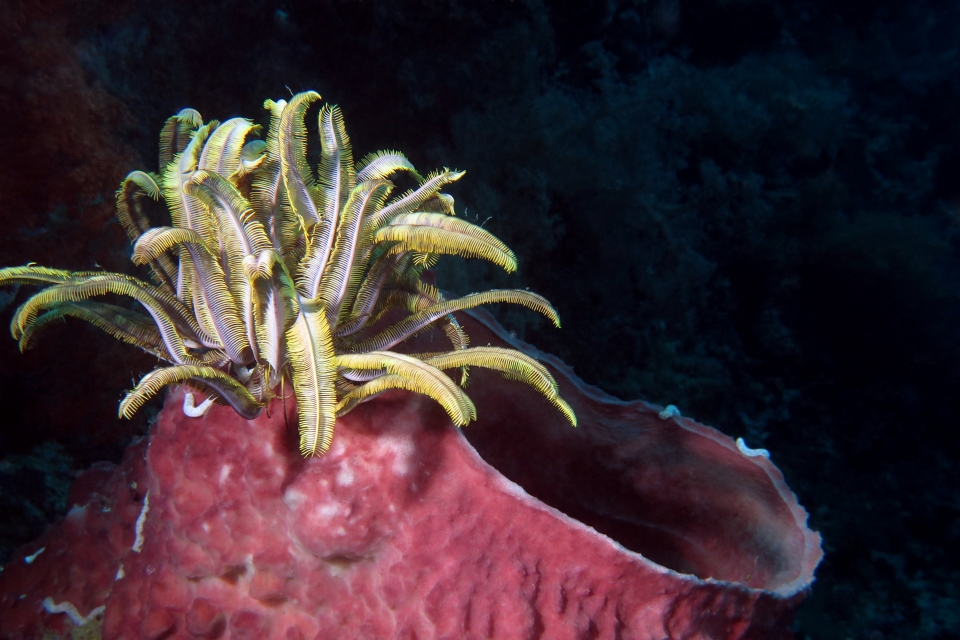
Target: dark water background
[[746, 208]]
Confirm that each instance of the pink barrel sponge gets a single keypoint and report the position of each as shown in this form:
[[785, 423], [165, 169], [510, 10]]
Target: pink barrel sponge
[[217, 528]]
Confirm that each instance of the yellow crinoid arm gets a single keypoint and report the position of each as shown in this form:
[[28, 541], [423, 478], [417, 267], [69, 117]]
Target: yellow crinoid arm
[[34, 274], [413, 200], [341, 277], [371, 287], [424, 195], [313, 364], [213, 302], [231, 215], [513, 364], [412, 374], [173, 320], [335, 174], [176, 133], [121, 323], [439, 233], [382, 164], [298, 180], [275, 305], [221, 153], [268, 196], [185, 210], [136, 184], [239, 232], [134, 220], [412, 324], [225, 387]]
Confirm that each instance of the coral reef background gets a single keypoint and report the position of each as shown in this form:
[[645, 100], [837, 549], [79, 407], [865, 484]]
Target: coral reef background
[[745, 208]]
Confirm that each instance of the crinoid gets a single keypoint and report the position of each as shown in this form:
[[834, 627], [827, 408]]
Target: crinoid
[[275, 271]]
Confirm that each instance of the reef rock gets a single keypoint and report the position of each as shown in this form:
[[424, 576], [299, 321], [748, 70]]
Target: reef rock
[[216, 527]]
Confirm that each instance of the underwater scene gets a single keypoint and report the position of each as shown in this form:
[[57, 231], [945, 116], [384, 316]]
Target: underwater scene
[[480, 319]]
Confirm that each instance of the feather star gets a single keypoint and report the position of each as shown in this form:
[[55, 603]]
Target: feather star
[[274, 271]]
